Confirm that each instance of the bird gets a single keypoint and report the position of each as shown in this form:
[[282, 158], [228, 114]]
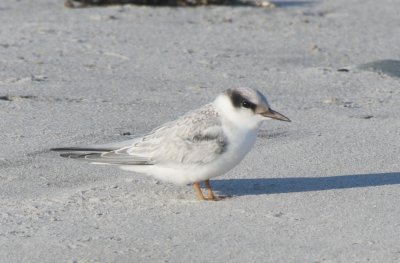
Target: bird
[[201, 144]]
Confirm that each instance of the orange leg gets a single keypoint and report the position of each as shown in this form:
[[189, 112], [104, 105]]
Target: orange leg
[[199, 193], [210, 194]]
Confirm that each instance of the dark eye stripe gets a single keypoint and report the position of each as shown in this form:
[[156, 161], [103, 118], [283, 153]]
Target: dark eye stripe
[[249, 105], [238, 99]]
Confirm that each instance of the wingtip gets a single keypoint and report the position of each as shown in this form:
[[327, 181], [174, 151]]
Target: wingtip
[[72, 155], [65, 155], [77, 149], [57, 149]]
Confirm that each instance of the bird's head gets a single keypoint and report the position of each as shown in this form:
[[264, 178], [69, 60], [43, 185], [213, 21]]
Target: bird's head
[[246, 107]]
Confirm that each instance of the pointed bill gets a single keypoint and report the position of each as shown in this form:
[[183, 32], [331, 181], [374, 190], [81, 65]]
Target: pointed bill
[[275, 115]]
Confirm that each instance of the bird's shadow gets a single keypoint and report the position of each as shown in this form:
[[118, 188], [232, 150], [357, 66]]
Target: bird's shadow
[[286, 4], [238, 3], [261, 186]]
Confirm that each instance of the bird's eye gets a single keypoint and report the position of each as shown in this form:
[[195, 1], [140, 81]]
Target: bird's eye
[[246, 104]]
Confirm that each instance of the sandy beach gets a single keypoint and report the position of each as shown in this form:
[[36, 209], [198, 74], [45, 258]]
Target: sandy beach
[[323, 188]]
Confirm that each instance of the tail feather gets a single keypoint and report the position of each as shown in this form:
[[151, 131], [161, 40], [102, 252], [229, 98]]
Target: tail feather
[[96, 148], [101, 156], [77, 149]]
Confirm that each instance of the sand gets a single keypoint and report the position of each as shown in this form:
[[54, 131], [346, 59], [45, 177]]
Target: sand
[[324, 188]]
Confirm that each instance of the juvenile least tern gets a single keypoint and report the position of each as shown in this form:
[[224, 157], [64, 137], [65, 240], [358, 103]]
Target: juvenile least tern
[[200, 145]]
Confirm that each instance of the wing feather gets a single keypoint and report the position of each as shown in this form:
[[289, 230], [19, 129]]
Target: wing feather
[[195, 138]]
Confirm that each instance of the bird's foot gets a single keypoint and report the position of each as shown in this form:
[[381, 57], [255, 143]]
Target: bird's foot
[[210, 194], [217, 198]]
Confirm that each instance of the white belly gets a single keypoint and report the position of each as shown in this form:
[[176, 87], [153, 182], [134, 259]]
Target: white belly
[[239, 144]]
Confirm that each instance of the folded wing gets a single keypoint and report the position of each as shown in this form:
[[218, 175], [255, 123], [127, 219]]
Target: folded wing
[[195, 138]]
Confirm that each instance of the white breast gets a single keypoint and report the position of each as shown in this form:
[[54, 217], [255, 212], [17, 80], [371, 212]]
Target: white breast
[[240, 142]]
